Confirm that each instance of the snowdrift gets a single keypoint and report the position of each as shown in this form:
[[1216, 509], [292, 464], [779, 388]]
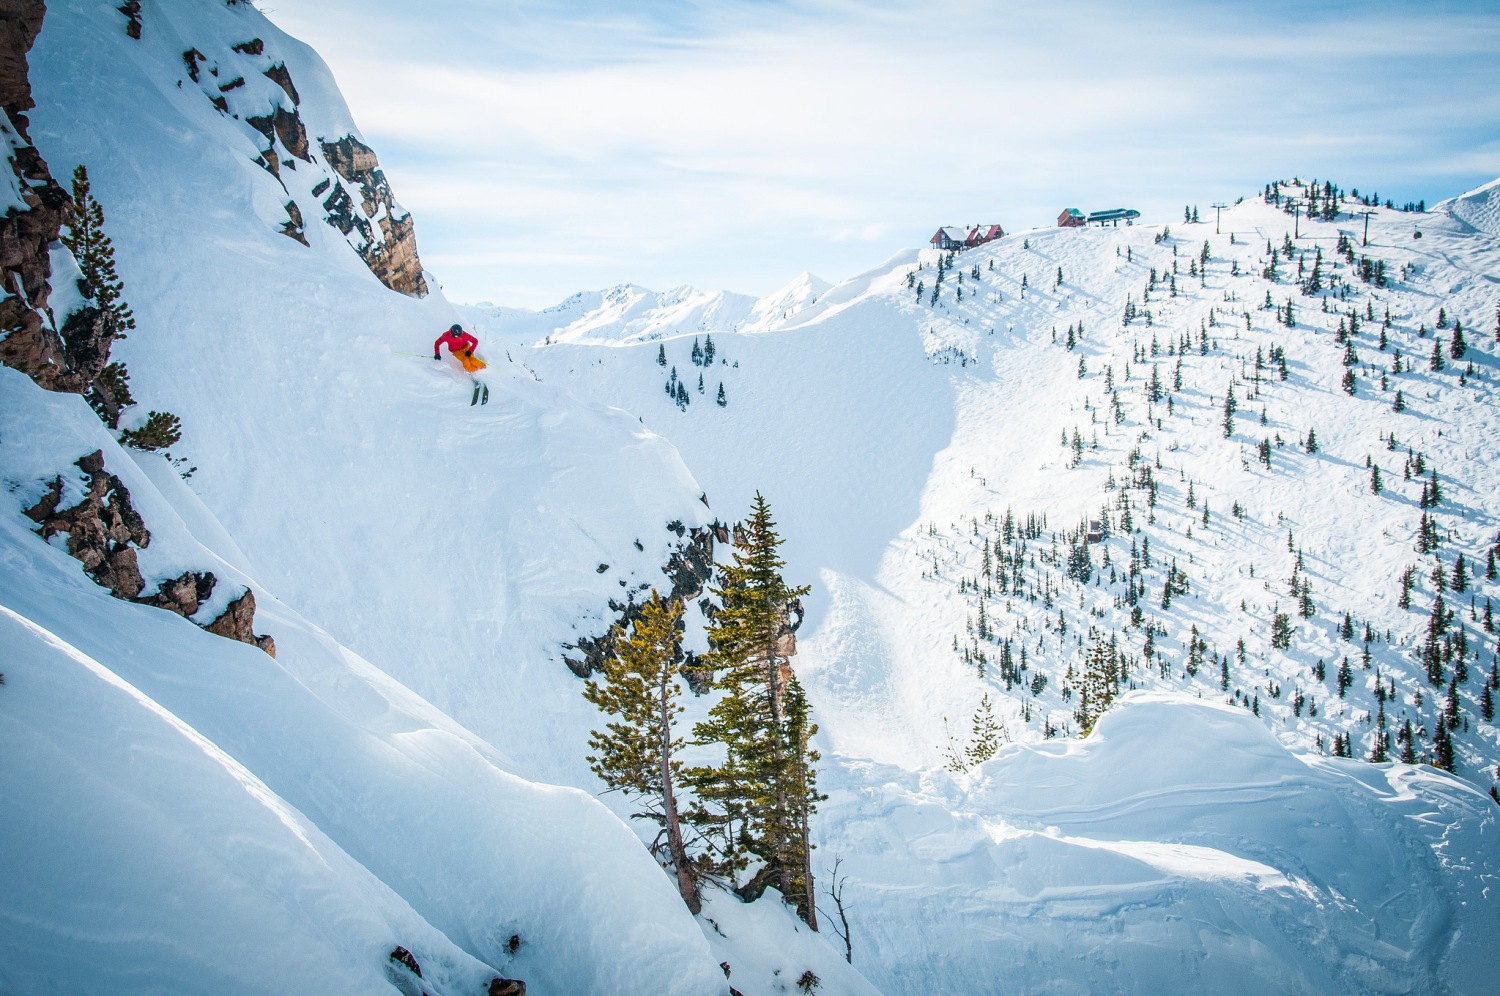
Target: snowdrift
[[1179, 848]]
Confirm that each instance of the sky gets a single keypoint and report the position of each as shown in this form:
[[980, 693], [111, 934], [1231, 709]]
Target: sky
[[553, 146]]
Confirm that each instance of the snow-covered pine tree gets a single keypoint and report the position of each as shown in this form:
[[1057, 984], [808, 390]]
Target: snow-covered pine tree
[[761, 794], [636, 753]]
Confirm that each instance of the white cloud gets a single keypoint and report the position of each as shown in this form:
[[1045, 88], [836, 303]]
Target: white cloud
[[749, 141]]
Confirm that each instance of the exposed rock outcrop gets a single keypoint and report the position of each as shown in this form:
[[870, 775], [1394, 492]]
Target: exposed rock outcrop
[[406, 960], [104, 532], [287, 126], [70, 361], [506, 987], [238, 623], [392, 256], [688, 568]]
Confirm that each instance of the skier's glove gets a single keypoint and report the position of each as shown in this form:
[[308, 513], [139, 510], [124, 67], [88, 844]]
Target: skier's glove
[[436, 356]]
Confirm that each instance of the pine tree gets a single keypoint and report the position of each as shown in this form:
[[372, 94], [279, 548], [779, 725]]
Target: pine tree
[[708, 350], [661, 355], [95, 254], [1457, 347], [763, 792], [721, 400], [1312, 441], [986, 733], [1101, 680], [1442, 747], [1432, 648], [637, 751]]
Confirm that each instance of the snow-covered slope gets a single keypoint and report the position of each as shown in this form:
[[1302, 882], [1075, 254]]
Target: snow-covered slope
[[407, 770], [1479, 208], [188, 814]]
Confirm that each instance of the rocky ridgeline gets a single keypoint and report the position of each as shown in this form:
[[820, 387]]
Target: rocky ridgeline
[[104, 534], [354, 195]]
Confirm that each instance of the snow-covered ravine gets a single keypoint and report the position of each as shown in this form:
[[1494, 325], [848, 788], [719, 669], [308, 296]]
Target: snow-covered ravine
[[892, 436], [188, 814]]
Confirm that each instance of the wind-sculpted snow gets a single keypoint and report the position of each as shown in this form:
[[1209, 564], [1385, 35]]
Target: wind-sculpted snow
[[1179, 848], [1479, 208]]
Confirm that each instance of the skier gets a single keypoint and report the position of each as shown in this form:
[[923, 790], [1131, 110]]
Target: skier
[[462, 345]]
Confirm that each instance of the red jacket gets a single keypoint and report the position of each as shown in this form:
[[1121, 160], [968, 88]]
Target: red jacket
[[456, 343]]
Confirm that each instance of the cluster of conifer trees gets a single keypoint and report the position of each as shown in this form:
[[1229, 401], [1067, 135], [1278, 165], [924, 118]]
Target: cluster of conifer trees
[[748, 811]]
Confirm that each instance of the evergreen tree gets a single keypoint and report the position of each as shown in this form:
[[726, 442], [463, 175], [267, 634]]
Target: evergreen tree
[[986, 734], [721, 400], [1442, 747], [708, 350], [637, 751], [1312, 441], [763, 793], [95, 254], [1457, 347], [1375, 486], [1432, 648], [661, 355], [1101, 680]]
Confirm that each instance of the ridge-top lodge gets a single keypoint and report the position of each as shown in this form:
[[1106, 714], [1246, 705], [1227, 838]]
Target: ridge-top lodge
[[950, 238]]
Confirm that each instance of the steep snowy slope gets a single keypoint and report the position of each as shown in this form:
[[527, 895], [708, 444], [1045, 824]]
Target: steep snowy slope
[[194, 815], [344, 476], [182, 804], [904, 429]]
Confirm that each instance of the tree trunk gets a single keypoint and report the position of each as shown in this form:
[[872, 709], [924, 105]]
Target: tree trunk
[[686, 884]]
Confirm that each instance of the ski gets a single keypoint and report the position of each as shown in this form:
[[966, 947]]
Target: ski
[[475, 400]]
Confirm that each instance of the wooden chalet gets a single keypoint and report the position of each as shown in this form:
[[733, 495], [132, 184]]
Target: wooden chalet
[[1071, 218], [950, 238]]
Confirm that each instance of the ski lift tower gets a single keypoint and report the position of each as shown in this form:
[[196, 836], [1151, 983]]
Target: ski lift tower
[[1366, 212], [1218, 207]]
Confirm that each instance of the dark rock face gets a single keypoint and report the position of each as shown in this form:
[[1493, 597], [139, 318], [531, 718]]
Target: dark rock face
[[393, 256], [692, 564], [407, 960], [20, 23], [104, 532], [71, 361], [506, 987], [688, 569], [287, 126]]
